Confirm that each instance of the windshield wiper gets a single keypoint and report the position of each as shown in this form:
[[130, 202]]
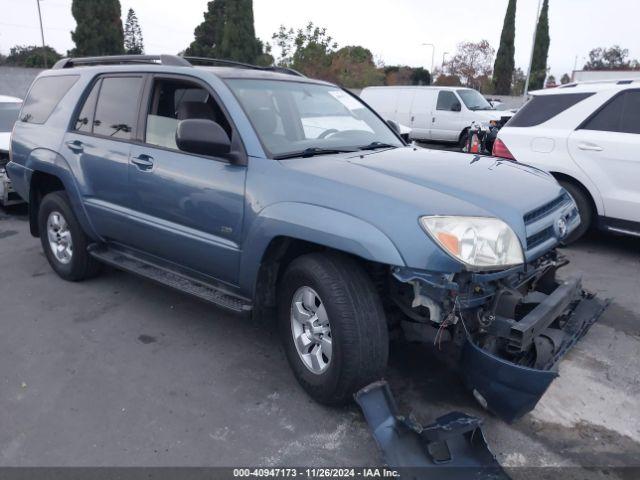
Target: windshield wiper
[[313, 151], [376, 145]]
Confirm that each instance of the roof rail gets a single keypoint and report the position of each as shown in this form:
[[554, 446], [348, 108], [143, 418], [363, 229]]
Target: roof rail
[[614, 81], [233, 63], [173, 60]]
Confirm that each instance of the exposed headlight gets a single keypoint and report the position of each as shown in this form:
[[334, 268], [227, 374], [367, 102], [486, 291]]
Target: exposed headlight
[[479, 242]]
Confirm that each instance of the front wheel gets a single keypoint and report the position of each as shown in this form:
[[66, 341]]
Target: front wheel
[[332, 326]]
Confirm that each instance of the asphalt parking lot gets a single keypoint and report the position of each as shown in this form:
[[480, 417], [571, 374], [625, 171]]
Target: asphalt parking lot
[[120, 371]]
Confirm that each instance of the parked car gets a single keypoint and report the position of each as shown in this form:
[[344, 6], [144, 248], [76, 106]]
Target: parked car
[[9, 109], [434, 113], [588, 136], [258, 189]]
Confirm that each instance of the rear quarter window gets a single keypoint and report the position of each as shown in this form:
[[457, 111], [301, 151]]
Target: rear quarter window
[[544, 107], [44, 96]]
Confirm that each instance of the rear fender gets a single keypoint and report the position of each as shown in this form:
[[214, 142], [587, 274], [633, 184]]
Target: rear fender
[[50, 162]]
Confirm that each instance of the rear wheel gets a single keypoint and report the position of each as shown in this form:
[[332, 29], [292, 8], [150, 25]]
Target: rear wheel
[[585, 210], [63, 241], [332, 326]]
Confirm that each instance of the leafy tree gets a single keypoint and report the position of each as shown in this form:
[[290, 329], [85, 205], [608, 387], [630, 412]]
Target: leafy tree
[[471, 63], [565, 79], [31, 56], [98, 27], [540, 50], [133, 42], [353, 67], [307, 50], [505, 63], [613, 58], [228, 32], [446, 80], [420, 76], [401, 75], [551, 82]]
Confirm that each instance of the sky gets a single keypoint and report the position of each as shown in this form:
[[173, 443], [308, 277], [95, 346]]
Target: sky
[[394, 30]]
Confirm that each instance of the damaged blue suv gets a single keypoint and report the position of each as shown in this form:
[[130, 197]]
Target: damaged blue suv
[[258, 189]]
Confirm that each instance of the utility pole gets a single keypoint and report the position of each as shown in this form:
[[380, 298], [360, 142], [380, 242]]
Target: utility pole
[[44, 52], [433, 52], [533, 46]]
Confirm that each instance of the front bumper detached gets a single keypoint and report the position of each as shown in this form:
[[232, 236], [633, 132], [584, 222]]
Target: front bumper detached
[[452, 448], [557, 322]]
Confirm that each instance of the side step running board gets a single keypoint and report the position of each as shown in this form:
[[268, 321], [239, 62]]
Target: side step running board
[[172, 279]]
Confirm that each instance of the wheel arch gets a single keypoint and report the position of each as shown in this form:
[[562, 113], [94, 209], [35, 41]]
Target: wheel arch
[[50, 172], [568, 178], [292, 232]]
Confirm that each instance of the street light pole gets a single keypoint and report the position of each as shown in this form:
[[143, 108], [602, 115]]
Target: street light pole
[[433, 52], [44, 52], [533, 46], [444, 55]]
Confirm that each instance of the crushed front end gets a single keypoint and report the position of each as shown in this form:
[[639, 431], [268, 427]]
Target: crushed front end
[[505, 331]]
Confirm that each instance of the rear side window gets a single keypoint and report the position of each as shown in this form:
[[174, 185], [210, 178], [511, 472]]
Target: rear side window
[[621, 114], [84, 122], [44, 96], [544, 107], [446, 101], [117, 107]]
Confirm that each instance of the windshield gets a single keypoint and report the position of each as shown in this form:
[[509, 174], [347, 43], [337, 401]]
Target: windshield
[[8, 115], [474, 100], [295, 118]]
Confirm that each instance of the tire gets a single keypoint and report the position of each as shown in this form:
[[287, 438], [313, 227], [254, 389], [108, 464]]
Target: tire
[[77, 264], [585, 209], [358, 328]]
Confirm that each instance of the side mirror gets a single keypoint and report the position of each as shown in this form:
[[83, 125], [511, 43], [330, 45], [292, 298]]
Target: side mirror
[[456, 107], [394, 126], [201, 136]]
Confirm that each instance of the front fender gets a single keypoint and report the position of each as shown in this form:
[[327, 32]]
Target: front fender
[[312, 223]]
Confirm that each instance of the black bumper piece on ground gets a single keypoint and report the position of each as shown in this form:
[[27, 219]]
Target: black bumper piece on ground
[[452, 448], [509, 390]]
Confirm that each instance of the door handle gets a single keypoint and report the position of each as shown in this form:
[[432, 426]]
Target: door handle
[[589, 146], [76, 146], [143, 162], [433, 119]]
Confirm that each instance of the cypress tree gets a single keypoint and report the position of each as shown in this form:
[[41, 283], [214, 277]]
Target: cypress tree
[[133, 42], [504, 64], [540, 50], [227, 32], [239, 40], [208, 35], [98, 27]]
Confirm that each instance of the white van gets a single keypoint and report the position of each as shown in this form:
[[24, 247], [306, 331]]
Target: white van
[[433, 113]]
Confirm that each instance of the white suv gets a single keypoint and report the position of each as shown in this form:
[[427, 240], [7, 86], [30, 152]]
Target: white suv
[[588, 136]]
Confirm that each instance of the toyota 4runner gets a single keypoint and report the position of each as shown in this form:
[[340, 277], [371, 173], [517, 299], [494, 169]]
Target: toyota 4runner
[[259, 189]]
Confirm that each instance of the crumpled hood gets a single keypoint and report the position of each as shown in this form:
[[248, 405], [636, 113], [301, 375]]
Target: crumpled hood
[[432, 182]]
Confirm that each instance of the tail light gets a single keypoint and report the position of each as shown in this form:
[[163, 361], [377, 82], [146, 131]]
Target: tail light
[[501, 150]]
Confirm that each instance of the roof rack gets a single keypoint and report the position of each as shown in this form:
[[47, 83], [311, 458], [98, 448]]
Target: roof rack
[[233, 63], [614, 81], [171, 60]]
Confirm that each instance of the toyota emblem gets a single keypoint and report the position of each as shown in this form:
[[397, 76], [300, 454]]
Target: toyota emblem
[[561, 226]]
